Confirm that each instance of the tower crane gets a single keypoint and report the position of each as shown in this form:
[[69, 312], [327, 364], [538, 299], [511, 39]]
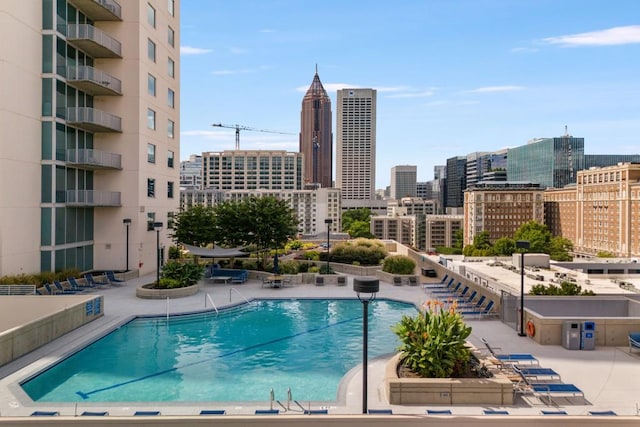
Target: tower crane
[[238, 128]]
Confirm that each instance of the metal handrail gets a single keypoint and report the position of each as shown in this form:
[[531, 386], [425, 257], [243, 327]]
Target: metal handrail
[[238, 292], [207, 296], [89, 32], [86, 72], [94, 157]]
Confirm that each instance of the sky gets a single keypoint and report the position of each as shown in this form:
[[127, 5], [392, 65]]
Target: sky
[[453, 77]]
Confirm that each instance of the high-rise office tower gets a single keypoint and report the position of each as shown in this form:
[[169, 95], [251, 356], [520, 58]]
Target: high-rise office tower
[[403, 181], [356, 144], [89, 161], [316, 139]]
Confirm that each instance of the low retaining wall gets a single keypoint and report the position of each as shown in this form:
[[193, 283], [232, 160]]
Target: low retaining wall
[[446, 391], [146, 293]]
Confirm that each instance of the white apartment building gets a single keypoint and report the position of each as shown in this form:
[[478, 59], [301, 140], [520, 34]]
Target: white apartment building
[[89, 132], [356, 144]]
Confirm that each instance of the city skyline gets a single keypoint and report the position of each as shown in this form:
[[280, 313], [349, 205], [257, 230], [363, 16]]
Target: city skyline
[[452, 78]]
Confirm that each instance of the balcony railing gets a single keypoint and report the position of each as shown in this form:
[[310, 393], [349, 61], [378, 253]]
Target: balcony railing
[[93, 41], [94, 159], [100, 10], [91, 198], [93, 81], [93, 120]]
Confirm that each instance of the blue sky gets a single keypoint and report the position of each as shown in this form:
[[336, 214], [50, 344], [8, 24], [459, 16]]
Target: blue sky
[[453, 76]]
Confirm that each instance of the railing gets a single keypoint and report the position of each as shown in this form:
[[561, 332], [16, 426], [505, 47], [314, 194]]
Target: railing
[[112, 6], [94, 117], [89, 32], [86, 156], [208, 297], [19, 289], [238, 292], [86, 72], [92, 198]]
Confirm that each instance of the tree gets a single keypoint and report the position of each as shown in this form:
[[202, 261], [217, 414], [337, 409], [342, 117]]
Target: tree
[[458, 239], [504, 246], [360, 229], [537, 234], [565, 288], [481, 240], [352, 216], [195, 226], [266, 222], [559, 249]]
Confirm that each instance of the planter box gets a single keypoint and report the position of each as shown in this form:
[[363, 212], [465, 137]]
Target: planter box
[[446, 391], [147, 293]]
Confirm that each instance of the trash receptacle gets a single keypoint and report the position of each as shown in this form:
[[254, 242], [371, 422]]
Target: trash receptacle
[[588, 335], [571, 335]]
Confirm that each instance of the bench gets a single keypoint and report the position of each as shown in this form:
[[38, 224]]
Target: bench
[[227, 275], [17, 289]]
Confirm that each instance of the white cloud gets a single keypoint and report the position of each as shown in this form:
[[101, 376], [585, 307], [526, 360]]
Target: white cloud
[[613, 36], [422, 94], [491, 89], [190, 50]]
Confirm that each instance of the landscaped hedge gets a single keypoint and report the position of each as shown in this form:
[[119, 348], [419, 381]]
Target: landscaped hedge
[[359, 251]]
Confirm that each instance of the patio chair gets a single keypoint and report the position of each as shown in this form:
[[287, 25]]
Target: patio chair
[[75, 285], [462, 301], [146, 413], [94, 414], [472, 307], [438, 412], [93, 282], [341, 280], [487, 311], [397, 281], [511, 359], [548, 390], [266, 282], [439, 285], [51, 290], [267, 411], [545, 412], [540, 373], [213, 412], [634, 341], [413, 281], [111, 277], [380, 411], [447, 291], [64, 291], [319, 281], [495, 412], [603, 413], [45, 413]]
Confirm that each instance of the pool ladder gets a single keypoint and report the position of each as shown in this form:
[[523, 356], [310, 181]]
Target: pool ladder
[[286, 408]]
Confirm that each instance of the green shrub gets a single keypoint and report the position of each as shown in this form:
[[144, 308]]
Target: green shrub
[[314, 269], [186, 274], [288, 267], [565, 288], [312, 255], [433, 343], [303, 267], [250, 264], [363, 251], [174, 252], [326, 269], [399, 264], [294, 245]]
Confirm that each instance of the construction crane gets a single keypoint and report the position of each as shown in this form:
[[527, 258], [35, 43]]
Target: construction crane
[[238, 128]]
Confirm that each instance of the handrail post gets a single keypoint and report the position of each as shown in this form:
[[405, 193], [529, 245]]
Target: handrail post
[[271, 399], [289, 398]]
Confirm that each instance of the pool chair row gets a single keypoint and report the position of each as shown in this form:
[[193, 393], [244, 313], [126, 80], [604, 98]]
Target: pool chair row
[[74, 286]]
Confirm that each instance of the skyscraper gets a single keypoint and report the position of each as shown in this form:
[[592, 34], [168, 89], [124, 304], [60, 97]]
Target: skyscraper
[[356, 144], [316, 139], [403, 181], [89, 162]]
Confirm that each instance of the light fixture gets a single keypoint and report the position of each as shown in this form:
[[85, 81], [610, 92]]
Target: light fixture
[[366, 288]]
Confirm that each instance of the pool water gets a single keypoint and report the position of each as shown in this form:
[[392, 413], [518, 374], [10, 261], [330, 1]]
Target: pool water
[[240, 354]]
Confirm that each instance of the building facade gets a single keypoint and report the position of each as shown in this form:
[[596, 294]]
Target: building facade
[[316, 138], [356, 143], [456, 182], [441, 230], [403, 181], [500, 208], [93, 108], [399, 228], [191, 173], [252, 170]]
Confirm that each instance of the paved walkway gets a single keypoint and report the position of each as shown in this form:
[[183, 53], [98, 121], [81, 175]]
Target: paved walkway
[[608, 376]]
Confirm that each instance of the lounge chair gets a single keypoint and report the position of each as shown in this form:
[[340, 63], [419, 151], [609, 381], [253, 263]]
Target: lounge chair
[[495, 412], [438, 412], [94, 414], [267, 411], [51, 290], [93, 282], [316, 411], [146, 413], [213, 412], [512, 358], [380, 411], [487, 311], [603, 413], [634, 341], [548, 390], [447, 291], [472, 306], [64, 291], [545, 412], [111, 277], [540, 373], [77, 286], [45, 413], [440, 285]]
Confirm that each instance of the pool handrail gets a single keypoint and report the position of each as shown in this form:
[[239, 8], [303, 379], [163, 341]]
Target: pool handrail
[[238, 292], [207, 296]]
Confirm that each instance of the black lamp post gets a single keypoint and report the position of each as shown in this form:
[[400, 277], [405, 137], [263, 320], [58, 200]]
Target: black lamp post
[[328, 221], [523, 245], [366, 289], [157, 226], [127, 223]]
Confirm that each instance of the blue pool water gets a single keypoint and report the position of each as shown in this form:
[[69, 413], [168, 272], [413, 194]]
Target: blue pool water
[[239, 355]]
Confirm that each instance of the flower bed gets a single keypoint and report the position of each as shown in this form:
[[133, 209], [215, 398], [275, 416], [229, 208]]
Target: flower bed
[[148, 292]]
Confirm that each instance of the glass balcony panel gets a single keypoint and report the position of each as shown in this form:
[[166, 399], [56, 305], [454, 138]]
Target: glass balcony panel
[[93, 120], [92, 198], [93, 81], [93, 41], [100, 10], [94, 159]]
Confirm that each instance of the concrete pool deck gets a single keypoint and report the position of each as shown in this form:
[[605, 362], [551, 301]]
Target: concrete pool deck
[[607, 375]]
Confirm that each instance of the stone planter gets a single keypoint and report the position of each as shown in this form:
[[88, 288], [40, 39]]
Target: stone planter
[[446, 391], [145, 292]]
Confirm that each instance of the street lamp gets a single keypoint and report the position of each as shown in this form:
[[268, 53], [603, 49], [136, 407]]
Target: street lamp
[[523, 245], [366, 289], [127, 223], [328, 221], [157, 226]]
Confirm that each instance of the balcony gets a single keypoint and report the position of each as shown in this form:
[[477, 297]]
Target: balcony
[[99, 10], [93, 81], [92, 198], [93, 120], [93, 41], [94, 159]]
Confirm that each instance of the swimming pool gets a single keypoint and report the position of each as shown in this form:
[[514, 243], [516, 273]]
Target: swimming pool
[[240, 354]]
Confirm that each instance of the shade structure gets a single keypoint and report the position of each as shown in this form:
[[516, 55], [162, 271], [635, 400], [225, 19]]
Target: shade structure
[[216, 252]]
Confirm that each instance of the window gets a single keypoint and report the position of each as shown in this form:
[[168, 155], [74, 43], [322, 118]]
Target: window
[[151, 15], [151, 85], [171, 37], [170, 190], [151, 187], [151, 153], [171, 68], [151, 218], [151, 119], [151, 50], [170, 7], [170, 127], [170, 155], [171, 98]]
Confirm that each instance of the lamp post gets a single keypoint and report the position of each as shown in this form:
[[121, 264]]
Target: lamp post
[[157, 226], [523, 245], [328, 221], [366, 289], [127, 223]]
